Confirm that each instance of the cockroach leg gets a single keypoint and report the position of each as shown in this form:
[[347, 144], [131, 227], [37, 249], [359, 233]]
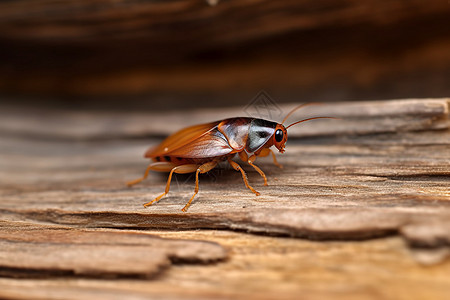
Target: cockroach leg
[[244, 157], [202, 169], [250, 161], [157, 166], [183, 169], [265, 152], [237, 167]]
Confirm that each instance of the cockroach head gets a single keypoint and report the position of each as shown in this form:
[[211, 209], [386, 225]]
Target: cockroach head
[[280, 137]]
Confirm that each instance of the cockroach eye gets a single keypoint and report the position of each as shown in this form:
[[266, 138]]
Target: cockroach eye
[[278, 135]]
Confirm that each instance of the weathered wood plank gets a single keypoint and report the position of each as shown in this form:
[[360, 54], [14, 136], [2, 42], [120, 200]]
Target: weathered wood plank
[[43, 260], [326, 191], [38, 251], [390, 189], [262, 267]]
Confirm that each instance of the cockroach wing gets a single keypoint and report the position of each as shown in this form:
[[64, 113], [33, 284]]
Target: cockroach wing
[[235, 131], [259, 133], [212, 144], [199, 141]]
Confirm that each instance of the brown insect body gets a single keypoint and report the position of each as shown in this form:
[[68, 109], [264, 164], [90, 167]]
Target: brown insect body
[[200, 148], [216, 140]]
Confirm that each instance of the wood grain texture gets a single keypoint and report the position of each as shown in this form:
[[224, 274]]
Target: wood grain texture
[[357, 118], [263, 267], [351, 210], [34, 251]]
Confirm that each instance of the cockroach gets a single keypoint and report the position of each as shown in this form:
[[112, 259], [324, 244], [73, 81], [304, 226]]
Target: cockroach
[[200, 148]]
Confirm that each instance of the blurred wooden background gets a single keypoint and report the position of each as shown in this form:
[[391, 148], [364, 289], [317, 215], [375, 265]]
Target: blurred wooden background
[[176, 54]]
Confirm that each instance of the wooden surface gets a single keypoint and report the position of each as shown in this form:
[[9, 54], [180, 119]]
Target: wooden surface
[[360, 210]]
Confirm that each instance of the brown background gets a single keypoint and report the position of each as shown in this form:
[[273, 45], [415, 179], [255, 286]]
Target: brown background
[[176, 54]]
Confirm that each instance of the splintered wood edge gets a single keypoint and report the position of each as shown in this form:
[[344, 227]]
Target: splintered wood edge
[[47, 251], [179, 250], [362, 117], [314, 224]]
